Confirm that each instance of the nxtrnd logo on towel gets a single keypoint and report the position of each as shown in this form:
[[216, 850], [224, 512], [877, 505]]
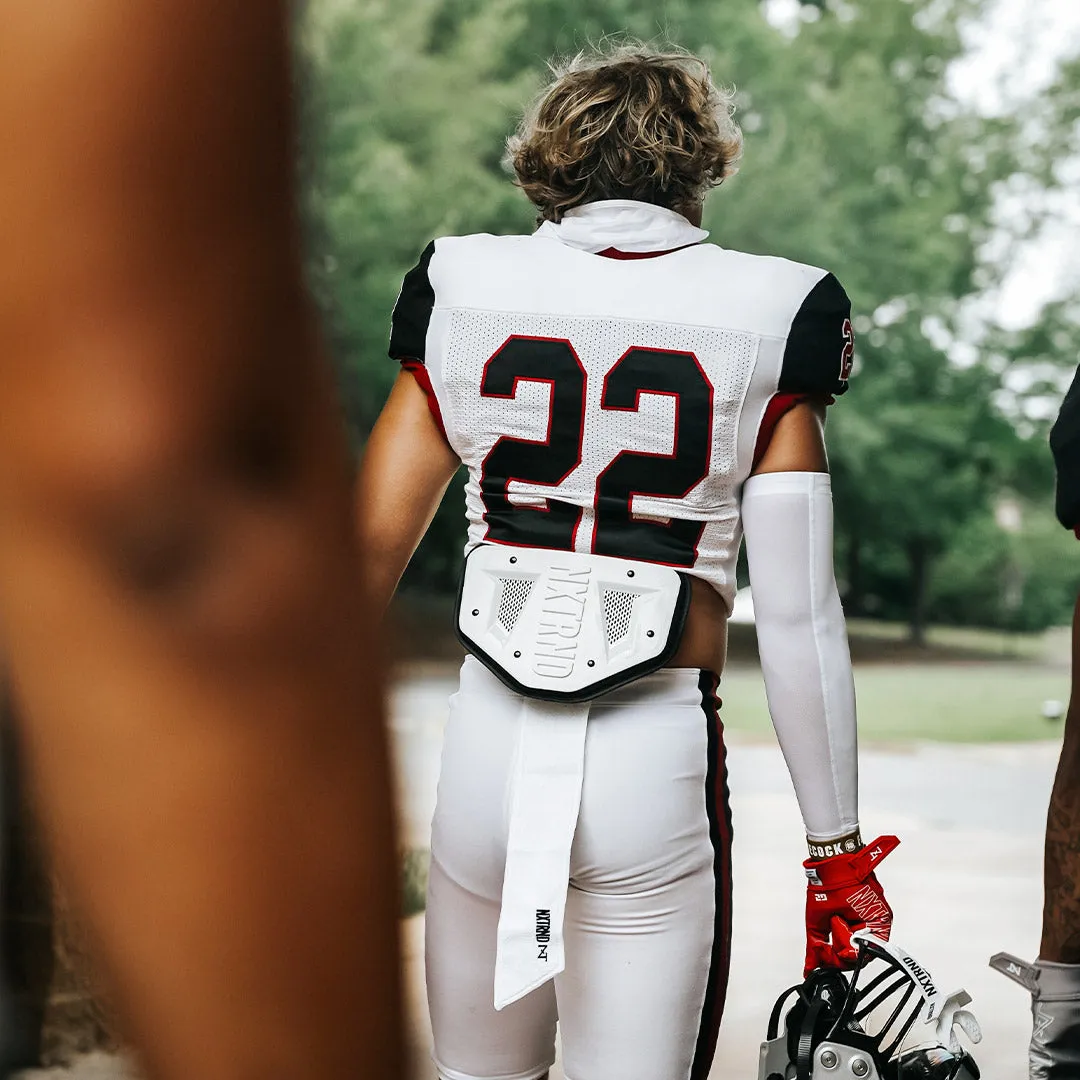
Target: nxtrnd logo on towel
[[543, 932]]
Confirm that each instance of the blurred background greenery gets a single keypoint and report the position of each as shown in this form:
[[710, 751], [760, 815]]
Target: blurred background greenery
[[860, 156]]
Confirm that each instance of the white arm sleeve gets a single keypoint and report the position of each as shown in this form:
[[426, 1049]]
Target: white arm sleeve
[[788, 525]]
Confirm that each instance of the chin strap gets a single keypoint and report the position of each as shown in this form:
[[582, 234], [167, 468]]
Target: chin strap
[[804, 1048], [953, 1015]]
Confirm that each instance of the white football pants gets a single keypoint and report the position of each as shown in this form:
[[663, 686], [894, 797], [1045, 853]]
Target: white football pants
[[648, 913]]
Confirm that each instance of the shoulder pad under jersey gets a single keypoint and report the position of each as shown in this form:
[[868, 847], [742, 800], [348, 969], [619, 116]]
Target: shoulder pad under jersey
[[820, 344]]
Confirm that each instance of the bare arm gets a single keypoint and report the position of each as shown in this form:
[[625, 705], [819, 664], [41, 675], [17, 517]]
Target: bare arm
[[798, 443], [1061, 910], [405, 470], [178, 584]]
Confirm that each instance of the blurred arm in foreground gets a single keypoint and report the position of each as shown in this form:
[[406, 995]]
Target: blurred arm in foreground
[[179, 584], [1054, 979]]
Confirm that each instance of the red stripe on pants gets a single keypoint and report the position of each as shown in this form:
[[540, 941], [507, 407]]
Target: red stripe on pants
[[719, 810]]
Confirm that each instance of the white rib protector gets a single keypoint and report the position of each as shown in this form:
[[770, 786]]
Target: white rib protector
[[802, 639]]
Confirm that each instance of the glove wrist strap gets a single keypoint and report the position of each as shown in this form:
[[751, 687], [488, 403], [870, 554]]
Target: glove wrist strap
[[842, 845]]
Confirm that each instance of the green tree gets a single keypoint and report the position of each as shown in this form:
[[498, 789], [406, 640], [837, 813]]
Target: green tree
[[406, 126], [917, 466], [857, 159]]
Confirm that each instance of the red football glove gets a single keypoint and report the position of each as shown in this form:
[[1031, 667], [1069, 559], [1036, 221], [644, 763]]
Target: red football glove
[[844, 896]]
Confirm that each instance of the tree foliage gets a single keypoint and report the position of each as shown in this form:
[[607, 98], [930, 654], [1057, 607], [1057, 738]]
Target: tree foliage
[[857, 158]]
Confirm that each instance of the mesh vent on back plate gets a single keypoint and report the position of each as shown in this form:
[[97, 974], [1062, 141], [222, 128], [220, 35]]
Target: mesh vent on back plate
[[515, 592], [618, 610]]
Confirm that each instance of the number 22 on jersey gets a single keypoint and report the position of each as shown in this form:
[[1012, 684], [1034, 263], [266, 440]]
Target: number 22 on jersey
[[549, 461]]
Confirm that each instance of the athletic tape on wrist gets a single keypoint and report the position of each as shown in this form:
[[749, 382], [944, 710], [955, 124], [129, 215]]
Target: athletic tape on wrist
[[842, 845]]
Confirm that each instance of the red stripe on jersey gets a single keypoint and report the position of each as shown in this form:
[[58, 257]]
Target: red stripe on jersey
[[615, 253], [419, 373]]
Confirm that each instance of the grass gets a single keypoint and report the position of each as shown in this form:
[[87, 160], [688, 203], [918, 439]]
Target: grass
[[964, 702], [949, 640], [964, 685], [414, 875]]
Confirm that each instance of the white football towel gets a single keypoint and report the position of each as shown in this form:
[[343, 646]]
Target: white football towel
[[544, 801]]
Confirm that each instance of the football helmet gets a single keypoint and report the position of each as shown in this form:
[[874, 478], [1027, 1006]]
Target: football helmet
[[844, 1025]]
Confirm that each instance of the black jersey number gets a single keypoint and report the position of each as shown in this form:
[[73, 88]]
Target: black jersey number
[[551, 460], [548, 461], [618, 531]]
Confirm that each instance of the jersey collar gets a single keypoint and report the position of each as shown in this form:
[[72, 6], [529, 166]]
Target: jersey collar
[[623, 224]]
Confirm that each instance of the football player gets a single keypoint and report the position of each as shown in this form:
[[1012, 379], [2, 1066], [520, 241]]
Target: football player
[[1054, 978], [180, 599], [630, 402]]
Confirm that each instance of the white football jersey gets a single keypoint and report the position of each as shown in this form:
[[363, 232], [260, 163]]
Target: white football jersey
[[615, 404]]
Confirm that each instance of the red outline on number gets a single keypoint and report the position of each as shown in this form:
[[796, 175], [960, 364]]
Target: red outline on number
[[546, 441], [636, 407]]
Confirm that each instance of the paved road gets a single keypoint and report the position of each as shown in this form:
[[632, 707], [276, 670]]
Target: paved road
[[964, 884]]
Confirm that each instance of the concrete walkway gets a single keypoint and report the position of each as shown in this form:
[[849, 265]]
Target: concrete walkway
[[965, 882]]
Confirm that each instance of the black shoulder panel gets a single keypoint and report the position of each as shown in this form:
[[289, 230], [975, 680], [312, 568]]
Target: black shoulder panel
[[1065, 446], [412, 312], [820, 344]]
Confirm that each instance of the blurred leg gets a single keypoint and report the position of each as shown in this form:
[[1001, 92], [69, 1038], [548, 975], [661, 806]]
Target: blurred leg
[[198, 687]]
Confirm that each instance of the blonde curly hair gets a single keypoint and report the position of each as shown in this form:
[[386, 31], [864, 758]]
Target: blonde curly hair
[[626, 122]]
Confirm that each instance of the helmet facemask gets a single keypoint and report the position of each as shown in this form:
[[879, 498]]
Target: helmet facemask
[[856, 1024]]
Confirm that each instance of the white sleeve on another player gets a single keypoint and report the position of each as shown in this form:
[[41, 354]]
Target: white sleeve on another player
[[802, 639]]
